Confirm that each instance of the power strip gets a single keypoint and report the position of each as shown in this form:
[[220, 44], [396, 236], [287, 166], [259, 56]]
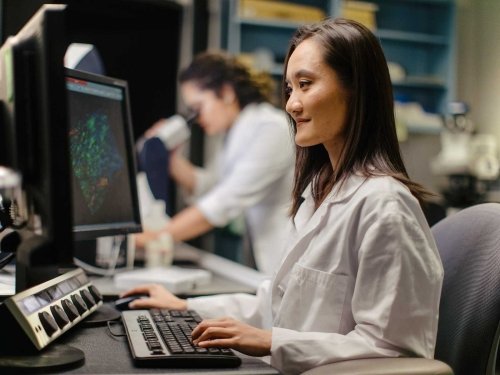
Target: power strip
[[46, 311]]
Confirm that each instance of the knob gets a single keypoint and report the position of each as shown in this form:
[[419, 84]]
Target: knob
[[69, 309], [80, 304], [87, 297], [95, 293], [48, 323], [59, 315]]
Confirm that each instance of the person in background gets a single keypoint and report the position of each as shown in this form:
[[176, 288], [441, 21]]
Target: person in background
[[361, 276], [255, 168]]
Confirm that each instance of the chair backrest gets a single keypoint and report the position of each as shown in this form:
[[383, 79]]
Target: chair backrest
[[469, 322]]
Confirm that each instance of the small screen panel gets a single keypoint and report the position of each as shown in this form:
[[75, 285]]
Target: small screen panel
[[103, 173], [38, 301]]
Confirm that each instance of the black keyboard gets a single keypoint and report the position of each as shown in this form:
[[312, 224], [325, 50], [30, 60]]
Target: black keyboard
[[162, 338]]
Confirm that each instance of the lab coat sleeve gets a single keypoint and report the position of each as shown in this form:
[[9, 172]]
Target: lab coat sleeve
[[395, 303], [205, 179], [265, 158], [251, 309]]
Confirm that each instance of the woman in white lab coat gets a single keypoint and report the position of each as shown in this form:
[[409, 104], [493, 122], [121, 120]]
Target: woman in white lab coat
[[254, 171], [361, 277]]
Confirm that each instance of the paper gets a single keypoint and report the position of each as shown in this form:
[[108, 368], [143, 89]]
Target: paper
[[7, 284]]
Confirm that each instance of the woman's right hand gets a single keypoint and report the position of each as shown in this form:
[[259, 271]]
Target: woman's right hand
[[159, 298]]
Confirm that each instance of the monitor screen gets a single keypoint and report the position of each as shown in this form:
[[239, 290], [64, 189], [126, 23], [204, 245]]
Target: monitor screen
[[102, 160]]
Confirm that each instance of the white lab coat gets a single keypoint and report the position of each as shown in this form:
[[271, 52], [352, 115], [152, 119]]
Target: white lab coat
[[361, 279], [254, 178]]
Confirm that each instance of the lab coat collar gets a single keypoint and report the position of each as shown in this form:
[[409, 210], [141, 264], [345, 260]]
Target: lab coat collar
[[339, 193], [305, 227]]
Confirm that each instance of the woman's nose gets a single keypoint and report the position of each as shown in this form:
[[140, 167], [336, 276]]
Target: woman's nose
[[293, 105]]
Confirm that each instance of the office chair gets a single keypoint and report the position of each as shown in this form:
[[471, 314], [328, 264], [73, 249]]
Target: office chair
[[469, 323]]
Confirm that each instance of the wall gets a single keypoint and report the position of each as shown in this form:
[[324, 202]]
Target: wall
[[478, 62]]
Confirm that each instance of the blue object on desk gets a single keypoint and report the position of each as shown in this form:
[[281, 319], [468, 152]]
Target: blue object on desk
[[154, 161]]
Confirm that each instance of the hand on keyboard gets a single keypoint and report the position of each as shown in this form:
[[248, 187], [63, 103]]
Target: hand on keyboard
[[230, 333], [159, 297]]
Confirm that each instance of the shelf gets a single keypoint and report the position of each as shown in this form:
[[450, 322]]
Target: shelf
[[270, 22], [422, 129], [421, 83], [436, 2], [412, 37]]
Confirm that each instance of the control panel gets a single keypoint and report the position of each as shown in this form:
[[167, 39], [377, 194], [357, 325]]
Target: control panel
[[44, 312]]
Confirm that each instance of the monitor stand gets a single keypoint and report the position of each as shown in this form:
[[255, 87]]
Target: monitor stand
[[101, 316], [53, 358]]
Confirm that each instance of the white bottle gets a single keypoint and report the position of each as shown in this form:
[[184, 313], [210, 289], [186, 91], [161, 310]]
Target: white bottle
[[159, 252]]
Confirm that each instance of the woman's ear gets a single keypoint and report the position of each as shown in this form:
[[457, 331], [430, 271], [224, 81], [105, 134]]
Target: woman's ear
[[227, 94]]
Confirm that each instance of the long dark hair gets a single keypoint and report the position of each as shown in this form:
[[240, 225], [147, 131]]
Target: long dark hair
[[213, 70], [371, 146]]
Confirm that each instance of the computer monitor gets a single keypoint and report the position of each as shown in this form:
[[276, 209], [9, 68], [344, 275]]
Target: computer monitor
[[36, 138], [102, 163], [35, 141]]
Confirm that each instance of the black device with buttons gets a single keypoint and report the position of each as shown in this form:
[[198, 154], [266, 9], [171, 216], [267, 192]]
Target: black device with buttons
[[35, 317]]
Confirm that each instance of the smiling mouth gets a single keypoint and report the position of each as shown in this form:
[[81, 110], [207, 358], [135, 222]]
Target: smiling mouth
[[301, 122]]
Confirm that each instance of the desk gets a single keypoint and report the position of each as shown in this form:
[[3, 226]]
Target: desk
[[105, 354], [227, 276], [218, 284]]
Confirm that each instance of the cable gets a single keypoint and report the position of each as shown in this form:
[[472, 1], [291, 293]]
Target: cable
[[111, 323]]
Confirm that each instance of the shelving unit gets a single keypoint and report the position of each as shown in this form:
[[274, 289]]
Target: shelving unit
[[416, 34], [245, 35], [419, 36]]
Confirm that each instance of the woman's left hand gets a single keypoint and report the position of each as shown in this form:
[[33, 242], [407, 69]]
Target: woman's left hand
[[230, 333]]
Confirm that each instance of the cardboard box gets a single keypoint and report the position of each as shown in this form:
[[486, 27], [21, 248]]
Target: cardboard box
[[280, 10], [360, 11]]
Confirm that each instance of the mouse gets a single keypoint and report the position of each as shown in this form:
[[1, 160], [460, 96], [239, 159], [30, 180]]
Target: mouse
[[121, 304]]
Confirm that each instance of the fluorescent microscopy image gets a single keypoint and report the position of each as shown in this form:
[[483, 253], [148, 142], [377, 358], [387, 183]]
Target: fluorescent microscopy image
[[95, 158]]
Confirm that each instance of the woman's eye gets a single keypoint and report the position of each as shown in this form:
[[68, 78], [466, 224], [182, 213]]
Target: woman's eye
[[288, 90], [303, 84]]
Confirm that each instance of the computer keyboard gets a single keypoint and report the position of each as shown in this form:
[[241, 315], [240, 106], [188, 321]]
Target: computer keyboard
[[162, 338]]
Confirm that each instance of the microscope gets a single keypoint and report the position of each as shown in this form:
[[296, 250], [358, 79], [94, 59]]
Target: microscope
[[468, 160]]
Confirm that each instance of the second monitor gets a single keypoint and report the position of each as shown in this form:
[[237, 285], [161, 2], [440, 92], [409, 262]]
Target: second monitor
[[103, 168]]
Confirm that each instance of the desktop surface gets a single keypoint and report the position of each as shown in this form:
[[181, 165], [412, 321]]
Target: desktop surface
[[106, 354], [227, 276], [218, 284]]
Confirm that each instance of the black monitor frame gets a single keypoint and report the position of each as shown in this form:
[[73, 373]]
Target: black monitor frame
[[35, 124], [90, 232]]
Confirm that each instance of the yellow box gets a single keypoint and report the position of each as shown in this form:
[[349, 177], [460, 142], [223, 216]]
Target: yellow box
[[360, 11], [280, 10]]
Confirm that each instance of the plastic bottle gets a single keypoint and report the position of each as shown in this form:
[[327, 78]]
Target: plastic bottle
[[159, 252]]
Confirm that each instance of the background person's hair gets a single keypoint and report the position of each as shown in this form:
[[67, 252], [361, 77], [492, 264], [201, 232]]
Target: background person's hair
[[213, 70], [356, 56]]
